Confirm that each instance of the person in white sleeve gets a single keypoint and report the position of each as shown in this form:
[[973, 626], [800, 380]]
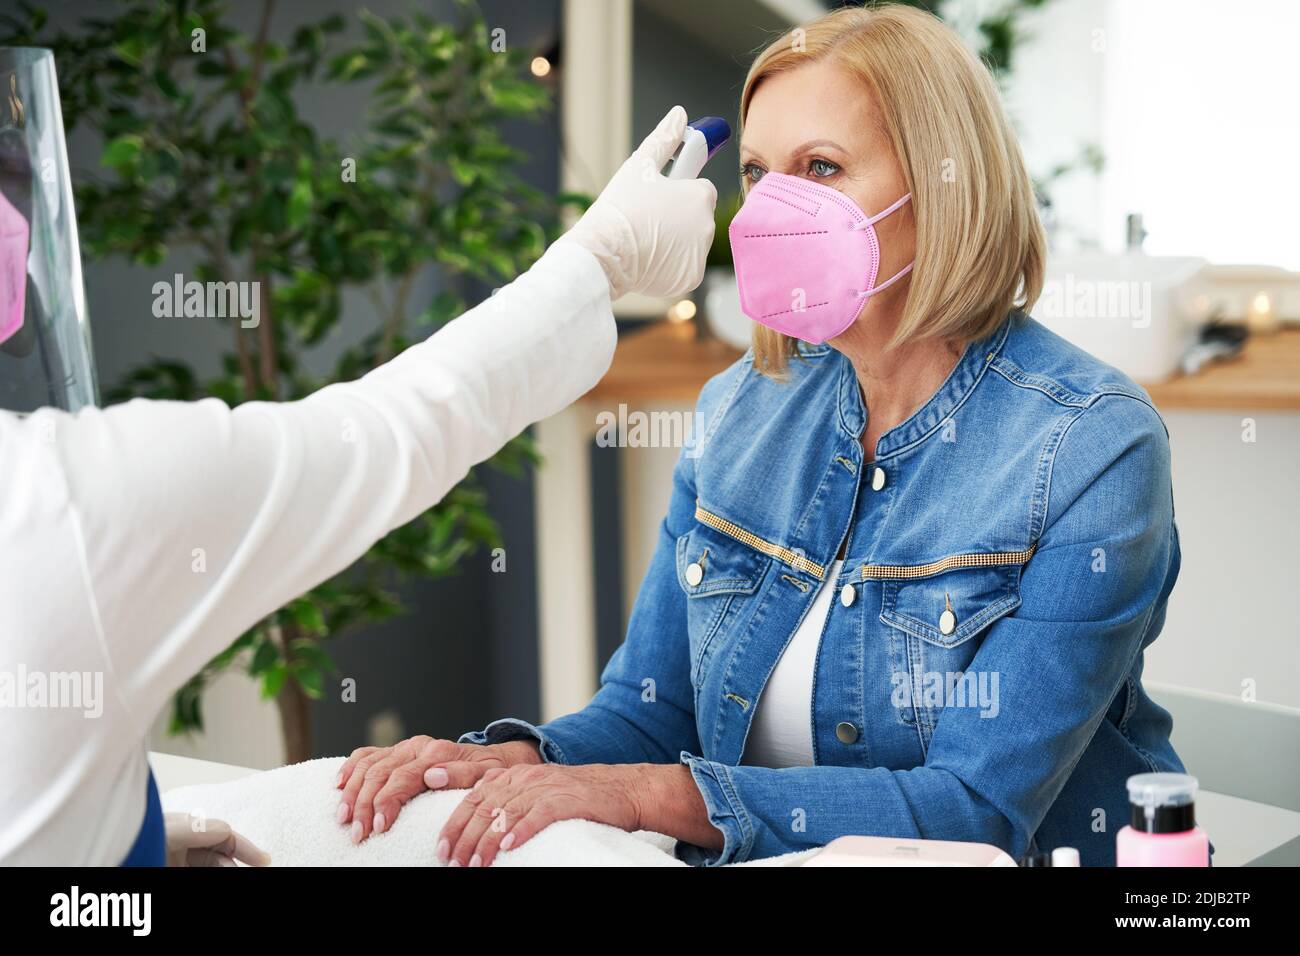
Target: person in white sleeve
[[101, 511]]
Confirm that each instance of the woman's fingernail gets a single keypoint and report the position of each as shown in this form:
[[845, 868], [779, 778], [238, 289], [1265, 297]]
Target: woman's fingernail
[[343, 813], [435, 777], [476, 860], [507, 841], [443, 851], [357, 831], [380, 823], [454, 863]]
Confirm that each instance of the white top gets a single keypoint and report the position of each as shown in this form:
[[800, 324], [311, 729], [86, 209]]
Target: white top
[[781, 734], [137, 542]]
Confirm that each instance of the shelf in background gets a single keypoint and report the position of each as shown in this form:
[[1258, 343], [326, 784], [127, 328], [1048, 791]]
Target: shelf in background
[[1265, 377], [667, 364]]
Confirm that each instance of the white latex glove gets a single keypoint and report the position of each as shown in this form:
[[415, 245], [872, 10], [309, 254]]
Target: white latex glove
[[650, 233], [192, 841]]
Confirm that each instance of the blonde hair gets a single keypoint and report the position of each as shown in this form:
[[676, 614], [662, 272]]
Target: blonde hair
[[980, 247]]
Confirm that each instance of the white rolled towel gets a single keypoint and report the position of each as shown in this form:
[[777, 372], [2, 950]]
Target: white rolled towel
[[290, 813]]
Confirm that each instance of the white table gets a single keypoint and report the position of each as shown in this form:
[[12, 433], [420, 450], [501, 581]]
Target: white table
[[1241, 830], [171, 771]]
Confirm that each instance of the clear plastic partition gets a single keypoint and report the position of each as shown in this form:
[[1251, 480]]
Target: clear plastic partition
[[46, 357]]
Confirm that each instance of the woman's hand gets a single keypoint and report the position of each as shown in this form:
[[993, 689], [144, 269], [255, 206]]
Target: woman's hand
[[509, 806], [378, 781]]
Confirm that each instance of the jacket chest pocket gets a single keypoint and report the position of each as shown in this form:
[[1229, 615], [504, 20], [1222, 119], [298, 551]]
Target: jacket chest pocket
[[718, 575], [936, 625]]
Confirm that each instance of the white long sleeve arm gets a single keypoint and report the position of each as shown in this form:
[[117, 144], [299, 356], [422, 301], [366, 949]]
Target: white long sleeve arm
[[194, 520]]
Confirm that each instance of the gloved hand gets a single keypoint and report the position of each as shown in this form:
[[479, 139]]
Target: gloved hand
[[211, 844], [650, 233]]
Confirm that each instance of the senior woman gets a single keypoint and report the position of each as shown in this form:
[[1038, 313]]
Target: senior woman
[[911, 564]]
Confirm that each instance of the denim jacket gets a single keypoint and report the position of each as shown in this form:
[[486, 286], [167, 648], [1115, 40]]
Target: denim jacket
[[1008, 557]]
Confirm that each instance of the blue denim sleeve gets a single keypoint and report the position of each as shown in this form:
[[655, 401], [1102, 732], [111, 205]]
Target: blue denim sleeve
[[644, 711], [1060, 659], [512, 728]]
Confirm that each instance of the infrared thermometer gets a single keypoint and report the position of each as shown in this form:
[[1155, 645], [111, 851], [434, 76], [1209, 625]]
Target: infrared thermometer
[[704, 137]]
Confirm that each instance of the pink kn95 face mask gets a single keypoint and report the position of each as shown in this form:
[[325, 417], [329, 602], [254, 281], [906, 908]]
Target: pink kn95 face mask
[[806, 257]]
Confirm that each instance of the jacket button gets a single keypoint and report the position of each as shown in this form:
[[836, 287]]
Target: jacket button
[[846, 732], [848, 595], [947, 622], [878, 479], [694, 574]]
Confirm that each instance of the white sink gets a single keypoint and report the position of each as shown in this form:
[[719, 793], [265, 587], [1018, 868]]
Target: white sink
[[1134, 311]]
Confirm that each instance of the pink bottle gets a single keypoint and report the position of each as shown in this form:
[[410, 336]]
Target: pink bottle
[[1162, 828]]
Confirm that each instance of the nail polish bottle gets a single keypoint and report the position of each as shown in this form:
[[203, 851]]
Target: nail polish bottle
[[1162, 828]]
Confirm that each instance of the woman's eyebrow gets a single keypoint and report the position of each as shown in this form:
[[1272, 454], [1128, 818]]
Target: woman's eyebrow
[[814, 144], [750, 155]]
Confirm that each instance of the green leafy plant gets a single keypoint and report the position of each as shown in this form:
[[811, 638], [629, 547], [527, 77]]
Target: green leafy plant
[[205, 150]]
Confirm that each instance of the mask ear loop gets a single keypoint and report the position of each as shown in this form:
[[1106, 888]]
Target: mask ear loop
[[887, 283], [881, 215], [901, 272]]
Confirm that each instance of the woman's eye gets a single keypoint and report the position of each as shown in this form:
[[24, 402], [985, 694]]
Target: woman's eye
[[822, 168], [751, 172]]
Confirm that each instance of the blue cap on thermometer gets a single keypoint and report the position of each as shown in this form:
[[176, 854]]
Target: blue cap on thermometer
[[704, 137]]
